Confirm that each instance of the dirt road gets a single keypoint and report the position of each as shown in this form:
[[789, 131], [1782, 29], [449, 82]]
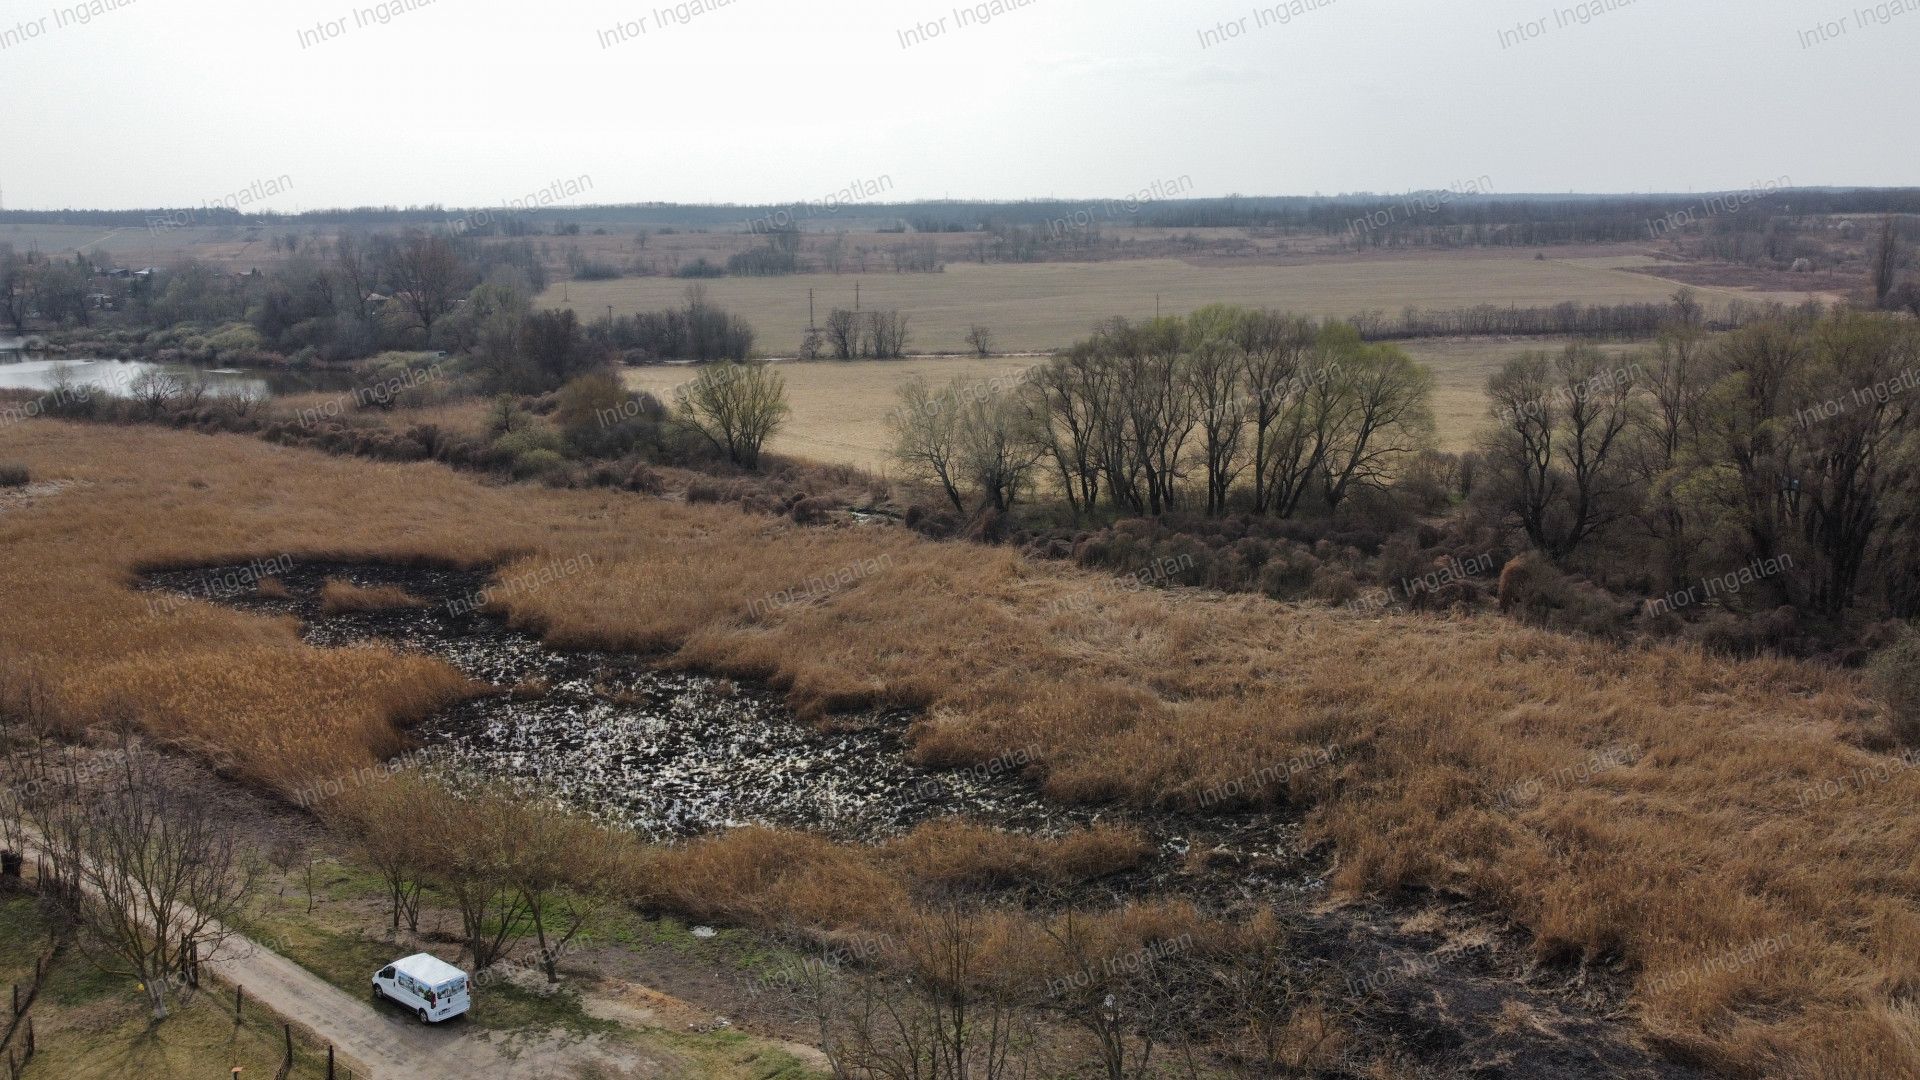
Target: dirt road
[[379, 1041], [386, 1043]]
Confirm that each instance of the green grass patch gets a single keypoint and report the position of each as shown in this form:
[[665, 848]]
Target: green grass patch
[[505, 1007], [735, 1055], [90, 1025]]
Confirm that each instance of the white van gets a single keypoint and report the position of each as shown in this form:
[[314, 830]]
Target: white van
[[434, 989]]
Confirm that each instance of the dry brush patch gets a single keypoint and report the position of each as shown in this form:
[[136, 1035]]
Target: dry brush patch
[[343, 597], [1766, 908]]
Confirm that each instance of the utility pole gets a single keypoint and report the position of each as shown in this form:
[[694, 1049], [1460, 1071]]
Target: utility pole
[[810, 325], [856, 296]]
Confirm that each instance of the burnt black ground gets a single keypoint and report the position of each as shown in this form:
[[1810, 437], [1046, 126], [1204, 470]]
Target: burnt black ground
[[673, 754]]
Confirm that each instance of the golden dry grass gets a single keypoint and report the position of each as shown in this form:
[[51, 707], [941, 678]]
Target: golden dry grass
[[341, 597], [1042, 306], [1773, 930]]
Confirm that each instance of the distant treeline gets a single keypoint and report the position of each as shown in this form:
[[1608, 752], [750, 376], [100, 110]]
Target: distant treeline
[[1625, 321], [1443, 216], [1526, 218]]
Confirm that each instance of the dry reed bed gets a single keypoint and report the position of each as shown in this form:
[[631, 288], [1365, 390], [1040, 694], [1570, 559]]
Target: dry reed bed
[[1773, 932], [341, 597]]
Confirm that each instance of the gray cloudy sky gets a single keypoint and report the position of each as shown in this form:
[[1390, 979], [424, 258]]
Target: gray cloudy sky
[[472, 102]]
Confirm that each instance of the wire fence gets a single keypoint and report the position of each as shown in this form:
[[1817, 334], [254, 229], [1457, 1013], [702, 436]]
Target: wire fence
[[18, 1044], [259, 1034], [301, 1053]]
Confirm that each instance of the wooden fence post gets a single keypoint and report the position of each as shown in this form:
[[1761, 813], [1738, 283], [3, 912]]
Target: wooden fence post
[[286, 1063], [329, 1060], [239, 997]]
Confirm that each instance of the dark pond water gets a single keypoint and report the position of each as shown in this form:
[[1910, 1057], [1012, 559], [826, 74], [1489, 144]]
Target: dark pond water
[[676, 753]]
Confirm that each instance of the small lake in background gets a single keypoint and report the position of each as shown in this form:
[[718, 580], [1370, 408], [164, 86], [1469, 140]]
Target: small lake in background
[[21, 370]]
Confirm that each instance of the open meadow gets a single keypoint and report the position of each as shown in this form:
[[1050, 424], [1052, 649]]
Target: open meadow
[[1043, 306], [1459, 749], [840, 409]]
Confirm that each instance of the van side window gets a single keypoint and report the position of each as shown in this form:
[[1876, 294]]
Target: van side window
[[386, 973]]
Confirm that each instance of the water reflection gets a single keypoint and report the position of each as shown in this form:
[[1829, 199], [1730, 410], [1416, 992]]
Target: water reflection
[[26, 371]]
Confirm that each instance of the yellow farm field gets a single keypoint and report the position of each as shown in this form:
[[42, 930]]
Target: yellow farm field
[[1049, 305], [840, 409], [1461, 368]]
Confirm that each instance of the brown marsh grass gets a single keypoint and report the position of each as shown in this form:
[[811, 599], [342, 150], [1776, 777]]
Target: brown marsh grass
[[1737, 833], [339, 597]]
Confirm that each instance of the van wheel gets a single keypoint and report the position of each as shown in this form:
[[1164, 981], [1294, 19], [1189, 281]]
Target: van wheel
[[378, 994], [423, 1017]]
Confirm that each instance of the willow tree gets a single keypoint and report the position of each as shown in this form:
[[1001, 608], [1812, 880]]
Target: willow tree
[[737, 407]]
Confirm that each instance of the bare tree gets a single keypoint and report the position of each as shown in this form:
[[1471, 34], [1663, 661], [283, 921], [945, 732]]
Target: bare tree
[[155, 389], [1851, 466], [1558, 448], [1104, 994], [1309, 422], [1065, 399], [1212, 372], [473, 849], [844, 333], [567, 870], [887, 334], [1758, 371], [1154, 412], [1886, 260], [955, 1020], [926, 437], [382, 816], [737, 407], [1384, 418], [16, 288], [159, 873], [194, 389], [243, 400], [996, 451], [425, 272], [1676, 386], [980, 339], [1273, 348]]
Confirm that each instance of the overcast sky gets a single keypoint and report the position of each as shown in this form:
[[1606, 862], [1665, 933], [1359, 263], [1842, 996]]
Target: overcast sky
[[475, 102]]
